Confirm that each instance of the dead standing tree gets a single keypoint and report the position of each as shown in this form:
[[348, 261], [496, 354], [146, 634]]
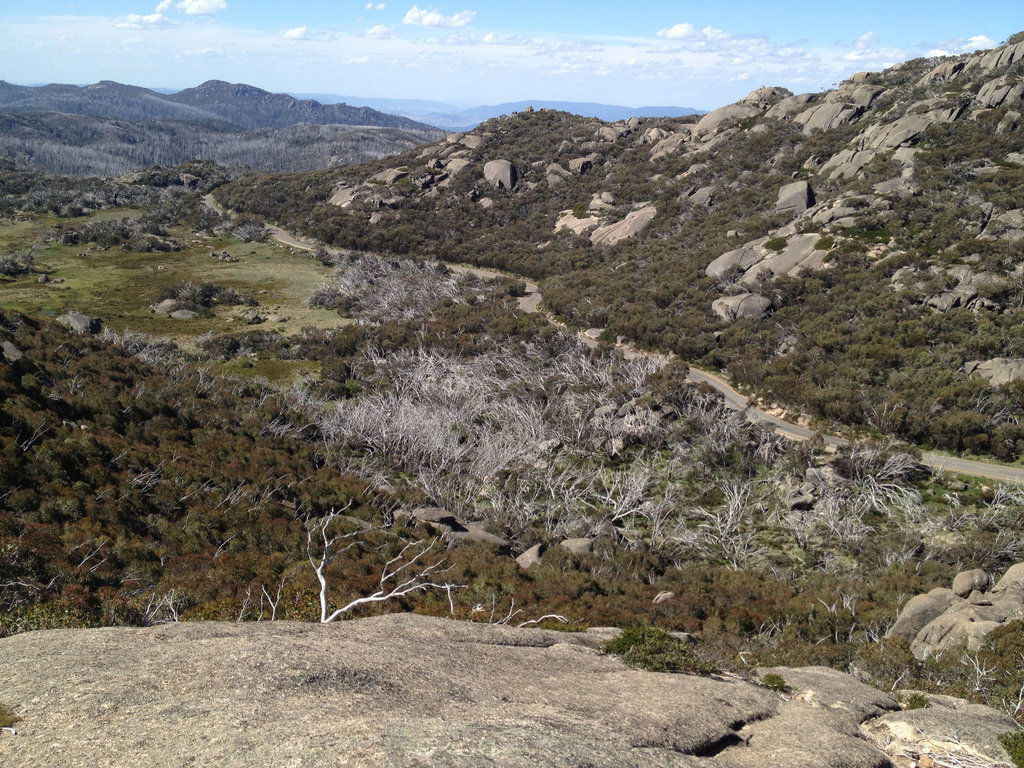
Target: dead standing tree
[[413, 569]]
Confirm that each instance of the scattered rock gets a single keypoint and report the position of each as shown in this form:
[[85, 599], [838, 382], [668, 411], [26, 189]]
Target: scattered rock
[[826, 117], [723, 117], [630, 226], [742, 306], [184, 314], [998, 370], [920, 611], [501, 174], [966, 582], [948, 727], [944, 619], [453, 529], [10, 352], [390, 176], [577, 226], [531, 557], [580, 546], [581, 165], [79, 323], [795, 198]]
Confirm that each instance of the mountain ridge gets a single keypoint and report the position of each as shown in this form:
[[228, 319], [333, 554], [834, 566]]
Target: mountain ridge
[[464, 118], [243, 105]]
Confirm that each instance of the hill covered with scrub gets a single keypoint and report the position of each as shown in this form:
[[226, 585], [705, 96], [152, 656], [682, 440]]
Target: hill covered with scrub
[[850, 256], [197, 423]]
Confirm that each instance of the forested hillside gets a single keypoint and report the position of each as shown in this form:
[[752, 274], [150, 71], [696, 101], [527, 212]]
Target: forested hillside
[[109, 129], [850, 255]]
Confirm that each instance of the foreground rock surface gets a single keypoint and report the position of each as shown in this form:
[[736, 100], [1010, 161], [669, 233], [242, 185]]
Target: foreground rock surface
[[404, 690]]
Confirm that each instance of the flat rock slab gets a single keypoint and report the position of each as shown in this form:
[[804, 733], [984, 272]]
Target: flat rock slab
[[399, 690]]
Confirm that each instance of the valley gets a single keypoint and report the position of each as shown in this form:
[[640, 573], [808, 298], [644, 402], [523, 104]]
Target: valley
[[753, 376]]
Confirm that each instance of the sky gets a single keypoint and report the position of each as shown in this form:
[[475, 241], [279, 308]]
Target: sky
[[472, 52]]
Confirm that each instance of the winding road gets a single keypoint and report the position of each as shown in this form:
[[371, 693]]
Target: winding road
[[531, 302]]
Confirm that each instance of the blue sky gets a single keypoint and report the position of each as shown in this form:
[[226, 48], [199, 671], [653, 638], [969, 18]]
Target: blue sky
[[636, 53]]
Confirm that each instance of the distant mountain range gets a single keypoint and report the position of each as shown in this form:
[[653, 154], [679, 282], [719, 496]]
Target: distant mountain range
[[462, 118], [109, 128], [242, 105]]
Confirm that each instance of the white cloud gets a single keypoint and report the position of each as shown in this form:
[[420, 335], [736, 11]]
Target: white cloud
[[432, 18], [202, 7], [690, 32], [299, 33], [376, 6], [678, 32], [969, 45], [165, 5], [380, 32], [865, 41], [137, 21]]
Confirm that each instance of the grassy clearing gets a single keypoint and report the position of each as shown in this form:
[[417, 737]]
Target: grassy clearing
[[119, 285]]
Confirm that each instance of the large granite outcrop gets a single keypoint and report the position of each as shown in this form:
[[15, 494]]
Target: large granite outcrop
[[630, 226], [962, 616], [407, 690]]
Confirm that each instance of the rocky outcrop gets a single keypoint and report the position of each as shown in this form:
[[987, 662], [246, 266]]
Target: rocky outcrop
[[998, 370], [996, 93], [742, 306], [452, 529], [753, 261], [389, 176], [418, 691], [630, 226], [568, 220], [580, 165], [80, 323], [723, 117], [500, 174], [826, 117], [949, 731], [795, 198], [672, 144], [10, 353], [962, 616]]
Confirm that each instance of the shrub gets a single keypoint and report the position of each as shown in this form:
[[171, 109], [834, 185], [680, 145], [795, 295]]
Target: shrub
[[824, 244], [7, 717], [12, 264], [774, 682], [777, 244], [657, 651], [914, 700], [1013, 743]]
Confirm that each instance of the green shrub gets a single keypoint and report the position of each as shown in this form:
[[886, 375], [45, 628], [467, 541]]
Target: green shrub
[[775, 682], [7, 717], [914, 701], [824, 244], [657, 651], [1013, 743], [777, 244]]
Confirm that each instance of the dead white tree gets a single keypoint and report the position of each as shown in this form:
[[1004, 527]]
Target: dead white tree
[[412, 570]]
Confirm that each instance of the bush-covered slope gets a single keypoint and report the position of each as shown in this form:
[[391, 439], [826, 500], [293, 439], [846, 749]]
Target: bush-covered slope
[[890, 281]]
